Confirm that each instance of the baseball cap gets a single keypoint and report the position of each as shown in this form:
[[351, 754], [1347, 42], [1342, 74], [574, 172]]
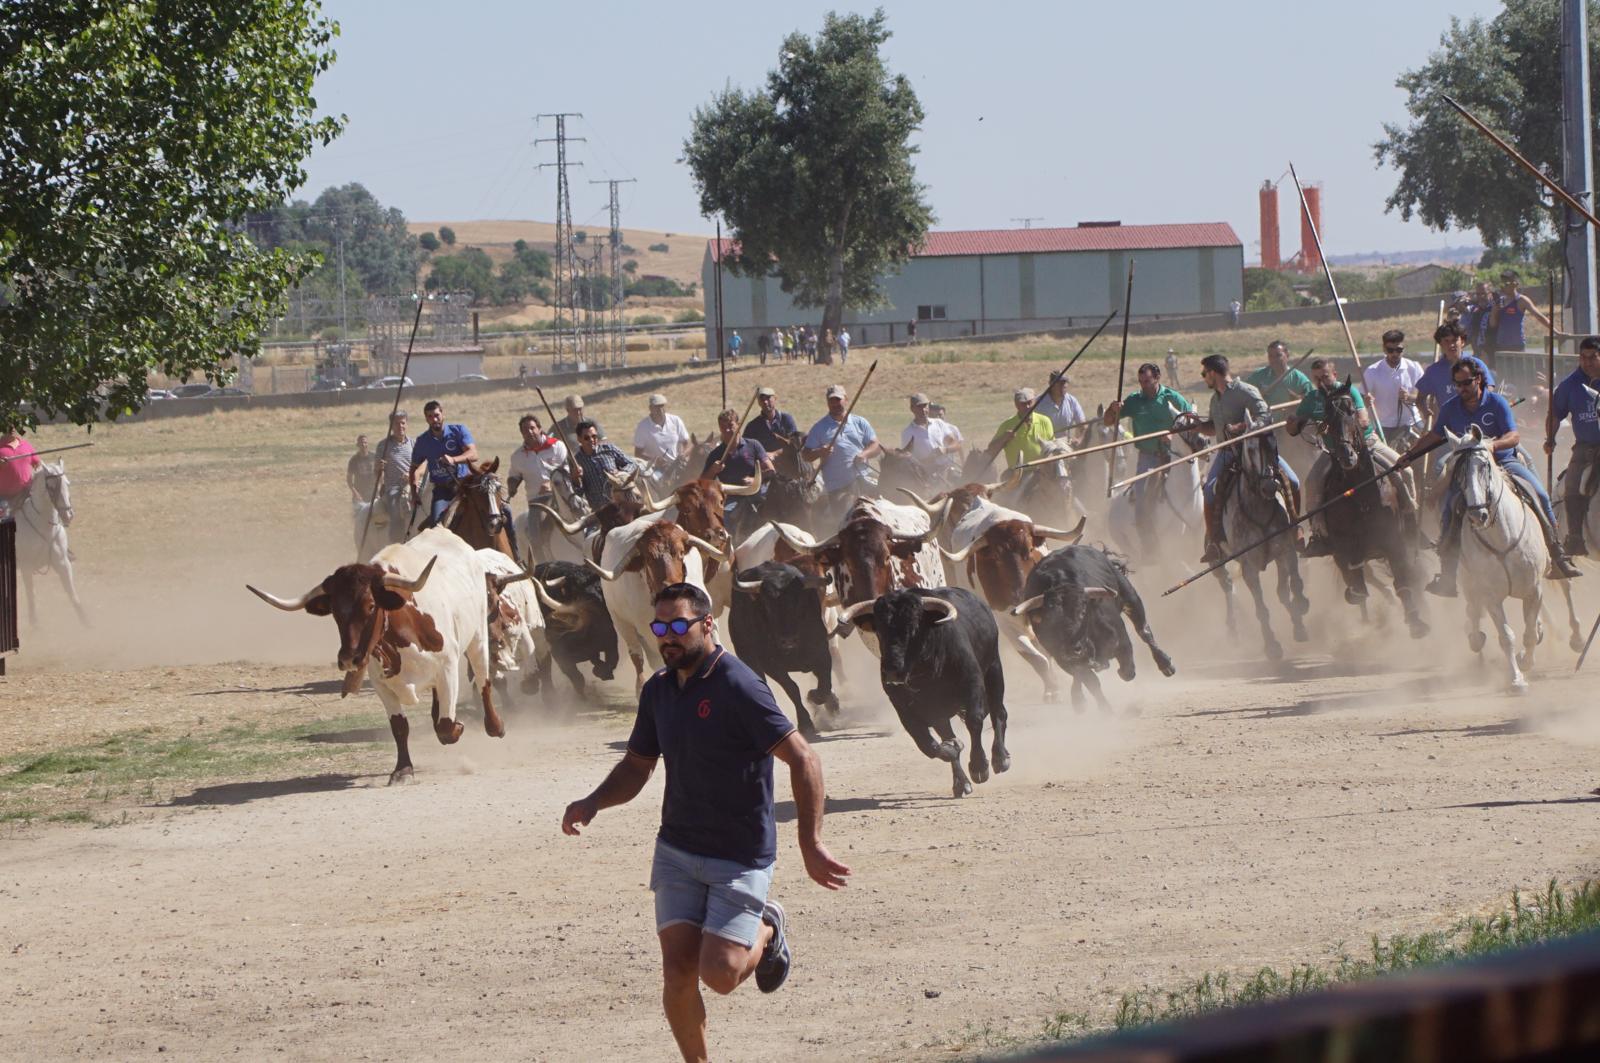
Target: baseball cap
[[919, 399], [574, 402], [1508, 275], [1022, 395], [835, 391], [766, 393], [658, 399]]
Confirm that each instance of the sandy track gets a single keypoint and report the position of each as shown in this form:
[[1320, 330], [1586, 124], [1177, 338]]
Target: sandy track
[[1213, 822]]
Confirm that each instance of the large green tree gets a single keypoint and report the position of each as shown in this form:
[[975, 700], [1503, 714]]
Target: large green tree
[[1506, 70], [135, 136], [814, 173]]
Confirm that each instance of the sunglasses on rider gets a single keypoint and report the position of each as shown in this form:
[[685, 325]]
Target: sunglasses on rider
[[677, 625], [1399, 349], [1464, 381]]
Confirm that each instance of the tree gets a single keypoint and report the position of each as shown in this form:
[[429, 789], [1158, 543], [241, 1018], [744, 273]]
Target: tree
[[1267, 289], [471, 270], [448, 235], [137, 139], [378, 247], [814, 174], [429, 242], [1507, 71]]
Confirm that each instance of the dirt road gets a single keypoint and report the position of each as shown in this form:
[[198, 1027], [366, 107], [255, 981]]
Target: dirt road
[[1235, 816]]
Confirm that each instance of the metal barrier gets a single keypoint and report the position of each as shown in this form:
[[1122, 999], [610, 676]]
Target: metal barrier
[[9, 640]]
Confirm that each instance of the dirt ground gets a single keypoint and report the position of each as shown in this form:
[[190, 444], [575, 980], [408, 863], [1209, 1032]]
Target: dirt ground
[[1239, 814]]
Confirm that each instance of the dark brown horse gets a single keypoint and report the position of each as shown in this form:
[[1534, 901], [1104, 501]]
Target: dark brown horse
[[479, 512]]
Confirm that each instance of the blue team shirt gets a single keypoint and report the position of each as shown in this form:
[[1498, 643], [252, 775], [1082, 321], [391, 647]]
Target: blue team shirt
[[431, 449], [716, 735], [838, 470], [1436, 381], [774, 435], [1493, 417], [1572, 401]]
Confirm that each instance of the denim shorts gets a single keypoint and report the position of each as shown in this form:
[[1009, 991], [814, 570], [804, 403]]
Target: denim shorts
[[721, 897]]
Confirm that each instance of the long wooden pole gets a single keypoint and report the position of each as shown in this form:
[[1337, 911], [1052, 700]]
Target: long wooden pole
[[1098, 447], [405, 369], [1542, 177], [848, 410], [1122, 361], [1550, 385], [1263, 430], [722, 353], [47, 450], [1327, 270], [1000, 444]]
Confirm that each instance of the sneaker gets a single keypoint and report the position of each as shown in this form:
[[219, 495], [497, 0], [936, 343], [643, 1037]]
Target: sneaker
[[773, 967]]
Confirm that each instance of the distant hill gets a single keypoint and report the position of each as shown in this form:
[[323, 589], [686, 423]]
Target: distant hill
[[1450, 256], [681, 261]]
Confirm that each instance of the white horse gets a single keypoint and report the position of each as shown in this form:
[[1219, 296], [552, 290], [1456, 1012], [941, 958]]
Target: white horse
[[42, 521], [1503, 553]]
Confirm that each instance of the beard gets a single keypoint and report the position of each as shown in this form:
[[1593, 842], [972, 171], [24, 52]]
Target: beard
[[684, 658]]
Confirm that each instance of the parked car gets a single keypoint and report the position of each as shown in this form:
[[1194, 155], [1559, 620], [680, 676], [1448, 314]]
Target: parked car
[[328, 385], [192, 391], [471, 376], [155, 394], [228, 393], [388, 382]]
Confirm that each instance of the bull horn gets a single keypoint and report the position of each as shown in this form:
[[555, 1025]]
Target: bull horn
[[744, 490], [449, 513], [926, 505], [609, 577], [939, 605], [1023, 608], [396, 582], [1099, 592], [705, 547], [1056, 533], [650, 504], [554, 584], [571, 529], [1006, 482], [617, 479], [795, 544], [959, 555], [283, 603], [501, 582], [850, 614], [555, 607], [944, 515], [748, 586]]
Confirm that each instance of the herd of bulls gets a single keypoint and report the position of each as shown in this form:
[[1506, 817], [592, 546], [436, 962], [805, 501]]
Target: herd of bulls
[[416, 612]]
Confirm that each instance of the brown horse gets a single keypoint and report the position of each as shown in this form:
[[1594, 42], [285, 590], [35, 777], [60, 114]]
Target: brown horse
[[478, 513]]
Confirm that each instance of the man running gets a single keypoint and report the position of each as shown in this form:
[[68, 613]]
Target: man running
[[1392, 388], [447, 451], [361, 471], [717, 726], [1472, 405], [1231, 400], [1153, 408], [1573, 399]]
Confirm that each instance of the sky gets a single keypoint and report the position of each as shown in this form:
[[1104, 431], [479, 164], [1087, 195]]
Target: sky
[[1147, 112]]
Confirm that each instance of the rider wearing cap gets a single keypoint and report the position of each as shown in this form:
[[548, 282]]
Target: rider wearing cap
[[1027, 437], [934, 443], [844, 455], [771, 427]]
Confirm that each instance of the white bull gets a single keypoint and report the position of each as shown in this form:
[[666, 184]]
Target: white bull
[[516, 623]]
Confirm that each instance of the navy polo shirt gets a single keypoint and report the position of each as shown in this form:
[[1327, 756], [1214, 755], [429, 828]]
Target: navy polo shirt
[[1436, 381], [432, 449], [742, 463], [717, 735], [772, 435], [1571, 400]]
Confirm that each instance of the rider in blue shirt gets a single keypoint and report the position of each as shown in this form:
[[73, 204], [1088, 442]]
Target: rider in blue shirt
[[1575, 397], [1474, 405], [448, 451], [1435, 386]]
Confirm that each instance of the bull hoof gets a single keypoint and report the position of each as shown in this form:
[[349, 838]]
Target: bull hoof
[[1576, 643], [449, 731], [1353, 596], [494, 728], [1518, 687], [529, 684], [402, 775], [1126, 672], [1476, 640], [1274, 651], [1168, 669], [602, 672], [1300, 632], [810, 734], [1002, 761]]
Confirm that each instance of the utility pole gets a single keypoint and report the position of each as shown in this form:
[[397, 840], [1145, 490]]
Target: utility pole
[[1577, 165], [344, 305], [566, 270], [619, 346], [1027, 223]]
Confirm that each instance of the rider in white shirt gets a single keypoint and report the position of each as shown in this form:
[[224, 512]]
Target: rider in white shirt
[[660, 438], [934, 443]]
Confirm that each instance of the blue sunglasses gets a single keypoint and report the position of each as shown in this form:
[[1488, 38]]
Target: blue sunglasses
[[678, 625]]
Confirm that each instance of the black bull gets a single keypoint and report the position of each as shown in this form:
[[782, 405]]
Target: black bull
[[579, 627], [1074, 601], [775, 621], [940, 658]]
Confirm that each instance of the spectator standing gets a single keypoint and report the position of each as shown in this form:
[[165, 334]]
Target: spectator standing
[[361, 472]]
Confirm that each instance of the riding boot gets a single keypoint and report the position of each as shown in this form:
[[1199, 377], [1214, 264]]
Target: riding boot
[[1577, 513], [1213, 535], [1561, 566], [1444, 584]]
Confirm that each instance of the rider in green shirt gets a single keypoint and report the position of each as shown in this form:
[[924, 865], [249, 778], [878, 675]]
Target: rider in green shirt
[[1152, 408], [1275, 380]]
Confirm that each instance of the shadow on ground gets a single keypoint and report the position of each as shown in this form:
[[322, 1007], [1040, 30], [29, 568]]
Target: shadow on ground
[[242, 793]]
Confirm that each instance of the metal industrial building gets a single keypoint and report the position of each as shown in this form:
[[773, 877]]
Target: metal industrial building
[[989, 281]]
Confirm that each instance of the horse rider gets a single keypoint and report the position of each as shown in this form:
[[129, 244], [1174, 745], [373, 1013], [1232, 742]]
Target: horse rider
[[1026, 437], [1435, 386], [1313, 409], [1473, 404], [595, 460], [447, 451], [1231, 400], [843, 443], [573, 405], [361, 471], [1153, 408], [532, 463], [660, 440], [1572, 398], [933, 442], [18, 460], [394, 462], [1275, 380], [1067, 418], [734, 462], [771, 427], [1392, 390]]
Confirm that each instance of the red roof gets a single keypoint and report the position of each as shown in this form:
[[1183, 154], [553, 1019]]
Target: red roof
[[1078, 238]]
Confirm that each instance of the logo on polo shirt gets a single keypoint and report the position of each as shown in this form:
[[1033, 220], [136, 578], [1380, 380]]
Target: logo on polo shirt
[[705, 708]]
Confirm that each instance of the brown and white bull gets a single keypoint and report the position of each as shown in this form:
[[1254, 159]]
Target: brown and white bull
[[407, 618], [700, 510], [998, 547], [637, 560]]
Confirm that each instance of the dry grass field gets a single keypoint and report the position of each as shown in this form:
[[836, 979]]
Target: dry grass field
[[681, 262], [201, 856]]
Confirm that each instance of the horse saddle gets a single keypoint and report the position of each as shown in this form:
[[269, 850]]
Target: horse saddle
[[1589, 474]]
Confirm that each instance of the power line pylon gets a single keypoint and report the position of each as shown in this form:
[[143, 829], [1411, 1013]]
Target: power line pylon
[[618, 344], [1027, 223], [566, 265]]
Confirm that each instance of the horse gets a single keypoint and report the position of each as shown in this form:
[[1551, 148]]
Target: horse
[[898, 470], [1503, 553], [476, 512], [42, 520], [1254, 507], [1174, 503], [1044, 492], [1091, 474], [536, 531], [1377, 523]]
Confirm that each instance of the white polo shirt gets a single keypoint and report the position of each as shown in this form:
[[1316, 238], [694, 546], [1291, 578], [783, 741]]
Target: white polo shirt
[[661, 442], [927, 441], [1384, 382], [535, 466]]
